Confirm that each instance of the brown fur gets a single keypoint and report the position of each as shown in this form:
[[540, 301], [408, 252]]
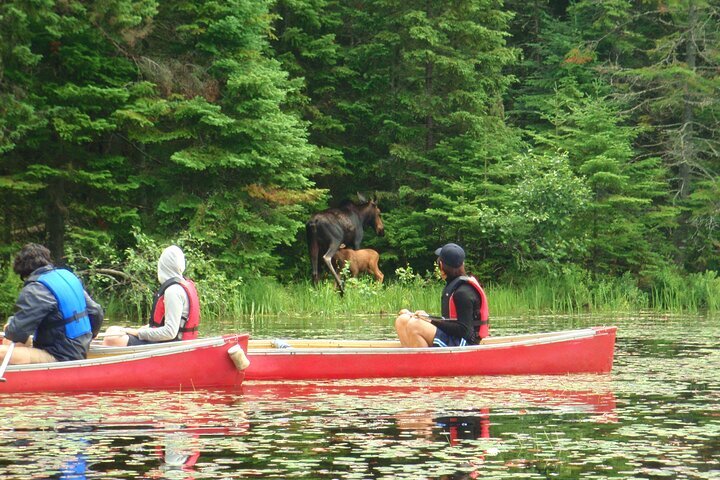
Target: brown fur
[[363, 260]]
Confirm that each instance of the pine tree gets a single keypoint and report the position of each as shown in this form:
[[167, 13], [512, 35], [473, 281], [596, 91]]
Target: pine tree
[[667, 78], [625, 207], [224, 160], [62, 84], [426, 117]]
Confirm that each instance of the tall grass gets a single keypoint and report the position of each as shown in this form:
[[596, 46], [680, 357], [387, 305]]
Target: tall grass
[[267, 296], [691, 293], [572, 293]]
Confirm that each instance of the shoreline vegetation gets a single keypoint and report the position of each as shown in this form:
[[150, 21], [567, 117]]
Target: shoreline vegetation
[[268, 297], [576, 161]]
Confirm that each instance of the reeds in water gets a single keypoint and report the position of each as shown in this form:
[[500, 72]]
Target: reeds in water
[[255, 298]]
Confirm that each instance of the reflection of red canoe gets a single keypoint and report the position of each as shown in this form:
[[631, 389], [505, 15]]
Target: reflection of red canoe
[[574, 351], [576, 400], [198, 364]]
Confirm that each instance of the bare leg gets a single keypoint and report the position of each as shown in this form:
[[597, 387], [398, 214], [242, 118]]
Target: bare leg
[[419, 333], [23, 355], [401, 326], [115, 337]]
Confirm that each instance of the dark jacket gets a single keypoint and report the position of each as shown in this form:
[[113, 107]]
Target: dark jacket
[[37, 314], [467, 305]]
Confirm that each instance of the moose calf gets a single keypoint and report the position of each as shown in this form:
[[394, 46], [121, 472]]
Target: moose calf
[[363, 260]]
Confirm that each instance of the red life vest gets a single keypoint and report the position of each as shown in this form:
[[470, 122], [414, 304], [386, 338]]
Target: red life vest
[[188, 328], [484, 314]]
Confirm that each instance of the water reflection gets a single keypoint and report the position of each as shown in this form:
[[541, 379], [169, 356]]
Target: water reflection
[[319, 430], [654, 416], [76, 467]]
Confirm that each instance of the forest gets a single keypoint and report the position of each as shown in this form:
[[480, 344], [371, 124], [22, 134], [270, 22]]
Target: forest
[[557, 141]]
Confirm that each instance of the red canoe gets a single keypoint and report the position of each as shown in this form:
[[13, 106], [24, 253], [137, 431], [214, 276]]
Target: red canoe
[[588, 350], [185, 365]]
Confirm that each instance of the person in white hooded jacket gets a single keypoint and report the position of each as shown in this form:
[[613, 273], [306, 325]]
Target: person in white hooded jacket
[[176, 307]]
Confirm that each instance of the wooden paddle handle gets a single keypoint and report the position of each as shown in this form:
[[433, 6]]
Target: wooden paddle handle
[[6, 362]]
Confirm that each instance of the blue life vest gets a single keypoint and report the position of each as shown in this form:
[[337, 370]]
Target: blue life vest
[[69, 293]]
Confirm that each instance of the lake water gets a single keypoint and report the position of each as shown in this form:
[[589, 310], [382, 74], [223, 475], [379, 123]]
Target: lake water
[[657, 415]]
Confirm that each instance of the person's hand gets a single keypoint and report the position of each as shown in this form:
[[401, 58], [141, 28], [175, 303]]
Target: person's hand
[[131, 331], [422, 315], [404, 311]]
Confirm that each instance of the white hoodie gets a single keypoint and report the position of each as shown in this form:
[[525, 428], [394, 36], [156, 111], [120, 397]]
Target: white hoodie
[[177, 305]]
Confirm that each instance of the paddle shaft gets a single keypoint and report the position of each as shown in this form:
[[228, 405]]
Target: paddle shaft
[[430, 317], [6, 362]]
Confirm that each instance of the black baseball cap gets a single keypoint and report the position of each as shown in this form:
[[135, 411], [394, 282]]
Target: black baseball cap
[[451, 254]]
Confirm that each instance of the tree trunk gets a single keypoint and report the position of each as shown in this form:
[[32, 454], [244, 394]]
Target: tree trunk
[[429, 121], [687, 152], [687, 134], [55, 224]]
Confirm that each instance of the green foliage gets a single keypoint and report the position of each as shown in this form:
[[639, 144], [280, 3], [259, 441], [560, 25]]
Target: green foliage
[[674, 291], [10, 285], [566, 142]]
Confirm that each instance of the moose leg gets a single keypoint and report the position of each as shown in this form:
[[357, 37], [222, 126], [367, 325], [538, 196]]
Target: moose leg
[[374, 268], [379, 277], [328, 261], [314, 250], [354, 269]]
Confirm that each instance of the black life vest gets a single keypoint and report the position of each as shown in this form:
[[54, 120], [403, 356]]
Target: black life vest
[[481, 318]]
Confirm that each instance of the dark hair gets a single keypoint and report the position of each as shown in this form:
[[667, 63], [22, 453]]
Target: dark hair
[[453, 272], [31, 257]]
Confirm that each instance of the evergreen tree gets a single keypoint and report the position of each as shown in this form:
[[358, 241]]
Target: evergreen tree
[[223, 159], [63, 80], [666, 74], [619, 225], [426, 116], [307, 49]]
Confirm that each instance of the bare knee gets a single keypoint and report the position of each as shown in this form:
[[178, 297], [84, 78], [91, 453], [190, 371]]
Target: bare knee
[[401, 321], [414, 325], [119, 341]]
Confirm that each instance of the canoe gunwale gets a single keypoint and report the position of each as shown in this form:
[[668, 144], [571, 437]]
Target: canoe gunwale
[[124, 357], [554, 337], [305, 346]]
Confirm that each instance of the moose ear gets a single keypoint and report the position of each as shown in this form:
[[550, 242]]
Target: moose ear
[[361, 197]]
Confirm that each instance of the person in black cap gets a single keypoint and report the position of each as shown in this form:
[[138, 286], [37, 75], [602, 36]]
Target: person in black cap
[[465, 315]]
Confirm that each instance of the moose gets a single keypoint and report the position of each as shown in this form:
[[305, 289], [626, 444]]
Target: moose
[[363, 260], [329, 229]]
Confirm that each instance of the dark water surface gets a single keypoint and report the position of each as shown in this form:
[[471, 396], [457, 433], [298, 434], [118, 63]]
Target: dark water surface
[[657, 415]]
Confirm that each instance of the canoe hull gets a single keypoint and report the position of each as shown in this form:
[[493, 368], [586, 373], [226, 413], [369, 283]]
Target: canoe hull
[[182, 367], [589, 353]]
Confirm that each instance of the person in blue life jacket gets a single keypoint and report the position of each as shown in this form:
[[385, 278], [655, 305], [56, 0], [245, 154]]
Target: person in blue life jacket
[[176, 307], [53, 308], [465, 314]]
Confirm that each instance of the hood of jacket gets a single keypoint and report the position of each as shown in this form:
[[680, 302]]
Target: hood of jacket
[[171, 264]]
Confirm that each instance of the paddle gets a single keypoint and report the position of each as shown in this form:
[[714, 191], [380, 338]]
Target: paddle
[[6, 362], [429, 317]]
